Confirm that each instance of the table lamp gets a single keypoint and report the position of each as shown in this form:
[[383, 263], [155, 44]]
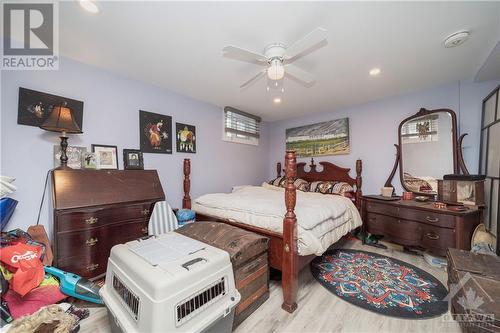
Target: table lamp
[[62, 120]]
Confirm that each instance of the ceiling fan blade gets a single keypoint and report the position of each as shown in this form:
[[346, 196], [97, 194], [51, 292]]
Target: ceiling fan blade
[[300, 75], [238, 53], [307, 42], [253, 79]]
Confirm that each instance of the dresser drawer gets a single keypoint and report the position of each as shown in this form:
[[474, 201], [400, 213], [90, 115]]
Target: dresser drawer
[[437, 238], [99, 239], [382, 208], [404, 231], [437, 219], [95, 217]]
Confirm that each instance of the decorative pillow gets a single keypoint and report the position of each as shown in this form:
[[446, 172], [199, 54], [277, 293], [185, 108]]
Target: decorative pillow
[[331, 187], [279, 181], [300, 184], [416, 184]]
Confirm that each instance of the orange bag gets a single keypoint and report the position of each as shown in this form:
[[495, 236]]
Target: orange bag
[[24, 261]]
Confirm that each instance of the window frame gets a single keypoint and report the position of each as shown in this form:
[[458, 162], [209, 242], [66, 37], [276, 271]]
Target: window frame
[[238, 137]]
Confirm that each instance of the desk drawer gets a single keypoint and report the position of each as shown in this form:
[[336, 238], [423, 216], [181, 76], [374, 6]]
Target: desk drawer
[[95, 217], [94, 240], [404, 231], [86, 266], [436, 219]]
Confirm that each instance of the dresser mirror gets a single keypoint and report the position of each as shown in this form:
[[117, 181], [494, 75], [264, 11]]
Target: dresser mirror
[[427, 149]]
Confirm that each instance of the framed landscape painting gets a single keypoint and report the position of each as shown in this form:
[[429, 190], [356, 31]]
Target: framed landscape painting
[[155, 132], [321, 139]]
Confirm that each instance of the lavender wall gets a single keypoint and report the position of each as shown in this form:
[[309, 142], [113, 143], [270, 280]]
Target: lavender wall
[[111, 116], [373, 129]]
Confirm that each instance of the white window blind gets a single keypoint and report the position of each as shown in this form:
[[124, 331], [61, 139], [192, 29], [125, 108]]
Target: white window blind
[[240, 126], [424, 129]]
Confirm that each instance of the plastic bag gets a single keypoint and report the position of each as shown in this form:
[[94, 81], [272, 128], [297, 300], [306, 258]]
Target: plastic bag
[[24, 260]]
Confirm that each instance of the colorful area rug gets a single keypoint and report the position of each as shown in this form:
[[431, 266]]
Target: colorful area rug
[[380, 284]]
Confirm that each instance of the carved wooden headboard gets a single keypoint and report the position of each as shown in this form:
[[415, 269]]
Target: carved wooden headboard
[[329, 171]]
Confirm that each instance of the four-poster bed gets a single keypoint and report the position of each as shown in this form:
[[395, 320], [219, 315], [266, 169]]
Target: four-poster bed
[[283, 249]]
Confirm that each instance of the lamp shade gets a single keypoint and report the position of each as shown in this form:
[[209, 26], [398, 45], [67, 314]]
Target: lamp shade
[[61, 119]]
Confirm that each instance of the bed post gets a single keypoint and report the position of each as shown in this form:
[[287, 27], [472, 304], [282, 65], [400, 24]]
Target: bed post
[[186, 200], [289, 263], [278, 169], [359, 181]]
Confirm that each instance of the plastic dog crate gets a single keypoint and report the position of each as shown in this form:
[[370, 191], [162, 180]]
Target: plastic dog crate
[[169, 283]]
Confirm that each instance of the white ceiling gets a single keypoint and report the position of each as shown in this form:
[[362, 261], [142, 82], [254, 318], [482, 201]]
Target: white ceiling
[[178, 46]]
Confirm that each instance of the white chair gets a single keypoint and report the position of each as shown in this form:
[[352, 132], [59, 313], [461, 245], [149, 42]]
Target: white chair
[[162, 219]]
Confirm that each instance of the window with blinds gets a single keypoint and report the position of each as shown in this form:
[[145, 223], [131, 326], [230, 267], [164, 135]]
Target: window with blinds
[[241, 127], [423, 129]]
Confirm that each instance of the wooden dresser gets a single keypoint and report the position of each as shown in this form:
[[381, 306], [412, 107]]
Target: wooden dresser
[[96, 209], [416, 224]]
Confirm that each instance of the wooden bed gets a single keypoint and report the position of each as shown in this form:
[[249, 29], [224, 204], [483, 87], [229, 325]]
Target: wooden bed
[[283, 252]]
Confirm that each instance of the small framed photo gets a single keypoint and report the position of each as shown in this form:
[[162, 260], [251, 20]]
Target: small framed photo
[[105, 156], [132, 159], [74, 154], [89, 161]]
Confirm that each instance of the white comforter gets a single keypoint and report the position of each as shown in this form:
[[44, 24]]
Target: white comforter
[[322, 219]]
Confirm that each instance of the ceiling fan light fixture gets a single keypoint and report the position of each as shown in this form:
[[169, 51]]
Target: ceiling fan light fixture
[[90, 6], [277, 100], [276, 70]]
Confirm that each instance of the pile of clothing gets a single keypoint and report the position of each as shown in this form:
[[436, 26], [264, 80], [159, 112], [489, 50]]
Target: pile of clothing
[[25, 286]]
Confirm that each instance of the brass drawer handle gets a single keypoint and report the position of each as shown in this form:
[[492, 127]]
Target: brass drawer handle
[[432, 236], [145, 212], [91, 220], [91, 241], [432, 219], [92, 267], [144, 230]]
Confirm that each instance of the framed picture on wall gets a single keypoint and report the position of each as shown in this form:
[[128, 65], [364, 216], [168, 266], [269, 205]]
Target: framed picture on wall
[[34, 107], [321, 139], [105, 156], [186, 138], [133, 159], [155, 132]]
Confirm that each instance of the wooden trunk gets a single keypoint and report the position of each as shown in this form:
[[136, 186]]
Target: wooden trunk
[[249, 256], [95, 210], [474, 277]]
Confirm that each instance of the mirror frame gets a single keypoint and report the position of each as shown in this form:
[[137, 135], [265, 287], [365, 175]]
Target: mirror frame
[[456, 153]]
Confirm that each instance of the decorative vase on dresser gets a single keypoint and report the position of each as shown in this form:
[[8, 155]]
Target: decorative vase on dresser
[[419, 224], [97, 209]]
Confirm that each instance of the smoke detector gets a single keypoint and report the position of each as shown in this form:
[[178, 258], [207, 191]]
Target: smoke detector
[[456, 39]]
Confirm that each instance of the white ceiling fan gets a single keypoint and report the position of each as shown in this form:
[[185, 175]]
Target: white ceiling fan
[[277, 58]]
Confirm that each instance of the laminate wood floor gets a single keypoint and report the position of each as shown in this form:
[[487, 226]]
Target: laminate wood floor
[[319, 310]]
